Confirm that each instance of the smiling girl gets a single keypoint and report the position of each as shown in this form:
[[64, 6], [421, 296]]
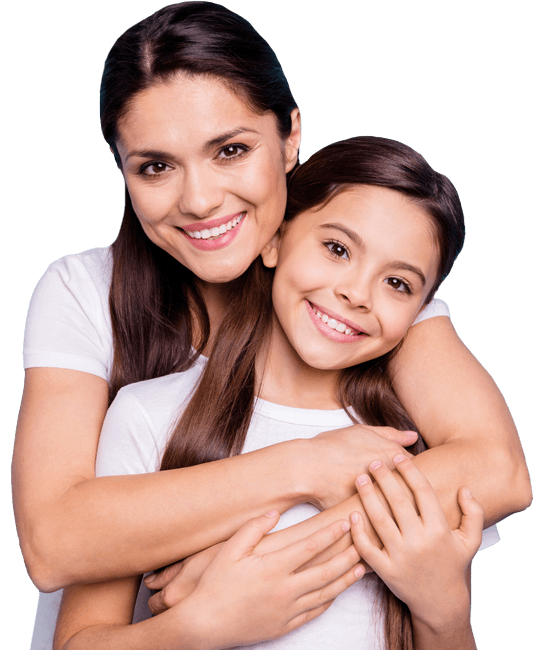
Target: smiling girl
[[371, 232]]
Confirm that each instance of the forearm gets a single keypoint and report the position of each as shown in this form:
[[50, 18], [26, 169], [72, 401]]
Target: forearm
[[452, 632], [183, 511]]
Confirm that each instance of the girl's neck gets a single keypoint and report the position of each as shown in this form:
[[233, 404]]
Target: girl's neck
[[287, 380]]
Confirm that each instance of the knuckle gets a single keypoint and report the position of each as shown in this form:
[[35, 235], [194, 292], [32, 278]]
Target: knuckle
[[312, 547]]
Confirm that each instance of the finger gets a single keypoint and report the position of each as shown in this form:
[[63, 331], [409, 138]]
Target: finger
[[321, 575], [160, 602], [404, 438], [472, 521], [380, 519], [363, 544], [332, 590], [243, 542], [425, 497], [401, 506], [159, 579], [306, 616], [299, 553]]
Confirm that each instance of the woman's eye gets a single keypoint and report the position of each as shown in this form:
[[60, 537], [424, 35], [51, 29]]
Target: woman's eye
[[232, 151], [154, 169], [398, 285], [337, 249]]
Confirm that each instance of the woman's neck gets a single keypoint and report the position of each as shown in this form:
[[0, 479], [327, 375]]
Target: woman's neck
[[287, 380]]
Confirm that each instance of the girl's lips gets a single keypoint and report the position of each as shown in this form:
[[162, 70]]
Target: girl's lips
[[333, 334]]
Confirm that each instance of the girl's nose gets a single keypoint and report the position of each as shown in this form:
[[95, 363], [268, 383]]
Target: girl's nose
[[201, 193], [355, 292]]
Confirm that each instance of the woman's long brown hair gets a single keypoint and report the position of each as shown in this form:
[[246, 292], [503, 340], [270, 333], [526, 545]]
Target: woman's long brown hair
[[215, 422]]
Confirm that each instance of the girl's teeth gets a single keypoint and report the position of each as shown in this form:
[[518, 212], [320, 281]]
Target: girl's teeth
[[333, 323]]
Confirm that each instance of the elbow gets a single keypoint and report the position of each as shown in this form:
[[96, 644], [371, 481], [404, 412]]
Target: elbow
[[514, 475], [41, 557]]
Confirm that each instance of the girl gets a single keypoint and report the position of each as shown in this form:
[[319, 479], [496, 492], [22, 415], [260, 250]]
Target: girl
[[370, 233], [201, 120]]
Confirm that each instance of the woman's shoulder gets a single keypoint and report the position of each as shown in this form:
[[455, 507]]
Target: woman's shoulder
[[95, 264], [435, 307]]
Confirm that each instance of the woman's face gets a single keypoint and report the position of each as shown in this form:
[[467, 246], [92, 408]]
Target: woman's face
[[351, 277], [206, 174]]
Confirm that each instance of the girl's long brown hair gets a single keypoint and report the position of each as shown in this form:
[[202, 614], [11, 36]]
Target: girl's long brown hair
[[215, 422], [153, 298]]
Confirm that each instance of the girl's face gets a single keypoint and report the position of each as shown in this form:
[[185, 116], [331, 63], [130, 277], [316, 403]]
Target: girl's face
[[206, 175], [351, 277]]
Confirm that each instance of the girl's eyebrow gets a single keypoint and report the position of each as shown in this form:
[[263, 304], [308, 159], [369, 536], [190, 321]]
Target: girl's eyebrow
[[347, 231], [353, 236]]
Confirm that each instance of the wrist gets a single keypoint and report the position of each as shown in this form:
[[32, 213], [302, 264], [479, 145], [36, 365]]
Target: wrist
[[447, 615]]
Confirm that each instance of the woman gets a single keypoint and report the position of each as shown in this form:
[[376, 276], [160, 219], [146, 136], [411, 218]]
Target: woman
[[47, 499]]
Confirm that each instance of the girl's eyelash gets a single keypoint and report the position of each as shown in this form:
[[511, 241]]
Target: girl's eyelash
[[408, 287], [331, 244]]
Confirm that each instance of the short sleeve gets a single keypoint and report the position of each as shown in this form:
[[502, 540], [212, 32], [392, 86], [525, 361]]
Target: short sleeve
[[126, 444], [68, 324], [434, 308], [490, 536]]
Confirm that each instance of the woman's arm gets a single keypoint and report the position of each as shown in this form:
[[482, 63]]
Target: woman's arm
[[68, 521], [242, 598], [464, 419]]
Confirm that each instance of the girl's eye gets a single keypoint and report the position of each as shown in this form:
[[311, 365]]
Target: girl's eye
[[399, 285], [230, 151], [154, 168], [337, 249]]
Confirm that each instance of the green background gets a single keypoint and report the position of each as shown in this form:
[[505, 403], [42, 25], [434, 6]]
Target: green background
[[450, 79]]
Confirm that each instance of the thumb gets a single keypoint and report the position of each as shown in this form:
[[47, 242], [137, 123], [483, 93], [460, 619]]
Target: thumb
[[244, 541], [161, 578], [472, 521], [404, 438]]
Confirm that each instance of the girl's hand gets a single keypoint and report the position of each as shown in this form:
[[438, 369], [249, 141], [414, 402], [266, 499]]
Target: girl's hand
[[178, 580], [340, 455], [423, 562], [245, 598]]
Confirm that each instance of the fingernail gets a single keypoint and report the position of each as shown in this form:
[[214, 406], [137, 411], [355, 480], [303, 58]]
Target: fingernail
[[272, 513], [345, 526], [399, 458], [354, 517], [411, 433], [375, 464], [468, 493], [363, 479], [149, 578], [359, 571]]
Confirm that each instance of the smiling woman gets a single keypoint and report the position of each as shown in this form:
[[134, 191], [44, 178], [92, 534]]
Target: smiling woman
[[198, 160]]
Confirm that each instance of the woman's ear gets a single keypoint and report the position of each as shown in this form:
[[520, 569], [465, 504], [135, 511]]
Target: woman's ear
[[292, 142], [269, 254]]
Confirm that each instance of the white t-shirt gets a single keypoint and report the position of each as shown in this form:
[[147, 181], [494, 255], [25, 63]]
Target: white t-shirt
[[69, 324], [133, 438]]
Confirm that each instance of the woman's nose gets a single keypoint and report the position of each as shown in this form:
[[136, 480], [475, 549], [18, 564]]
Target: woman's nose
[[201, 193]]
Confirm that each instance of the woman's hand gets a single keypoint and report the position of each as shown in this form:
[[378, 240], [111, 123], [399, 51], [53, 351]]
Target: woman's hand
[[422, 561], [177, 581], [336, 457], [243, 597]]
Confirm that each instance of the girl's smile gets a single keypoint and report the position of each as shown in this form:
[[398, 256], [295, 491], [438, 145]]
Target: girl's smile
[[205, 173], [350, 278]]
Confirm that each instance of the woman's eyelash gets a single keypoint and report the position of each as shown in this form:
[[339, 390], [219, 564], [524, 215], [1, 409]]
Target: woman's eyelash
[[232, 151], [337, 249], [407, 286], [143, 169]]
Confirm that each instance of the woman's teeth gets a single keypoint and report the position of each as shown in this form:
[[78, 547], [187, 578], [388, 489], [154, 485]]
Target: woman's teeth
[[334, 324], [214, 232]]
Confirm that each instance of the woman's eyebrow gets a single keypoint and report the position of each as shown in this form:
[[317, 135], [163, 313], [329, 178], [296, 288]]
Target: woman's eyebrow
[[224, 137], [148, 153]]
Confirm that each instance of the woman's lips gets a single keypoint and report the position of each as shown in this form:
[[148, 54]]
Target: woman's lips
[[214, 234], [333, 326]]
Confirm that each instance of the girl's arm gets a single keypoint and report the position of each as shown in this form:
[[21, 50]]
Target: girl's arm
[[242, 598], [68, 521], [422, 561]]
